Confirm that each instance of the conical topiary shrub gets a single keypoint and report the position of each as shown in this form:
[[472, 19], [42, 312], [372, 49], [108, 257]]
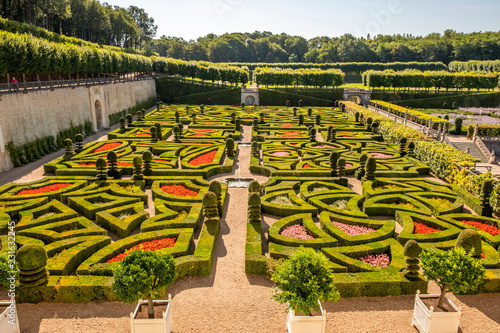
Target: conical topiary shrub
[[210, 211], [341, 167], [370, 168], [230, 147], [138, 175], [254, 208], [147, 157], [113, 165], [411, 251], [101, 166], [79, 143], [216, 188]]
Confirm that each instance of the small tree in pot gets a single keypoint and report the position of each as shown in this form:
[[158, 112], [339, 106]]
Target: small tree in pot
[[141, 274], [454, 269], [303, 280]]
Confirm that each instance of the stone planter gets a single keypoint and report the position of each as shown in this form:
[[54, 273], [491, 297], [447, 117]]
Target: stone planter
[[306, 324], [160, 325], [428, 321], [8, 323]]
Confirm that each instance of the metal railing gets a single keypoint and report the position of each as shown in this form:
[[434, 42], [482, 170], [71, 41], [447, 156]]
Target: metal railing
[[6, 88]]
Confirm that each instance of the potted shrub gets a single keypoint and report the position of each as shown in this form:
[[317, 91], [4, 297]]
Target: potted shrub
[[142, 274], [453, 270], [303, 281], [9, 321]]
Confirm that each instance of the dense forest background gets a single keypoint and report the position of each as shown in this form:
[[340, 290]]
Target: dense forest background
[[133, 28]]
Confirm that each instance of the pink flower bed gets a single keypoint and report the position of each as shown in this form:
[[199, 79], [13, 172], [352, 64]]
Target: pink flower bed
[[296, 231], [353, 230], [348, 165], [380, 260], [281, 153], [324, 146], [380, 155]]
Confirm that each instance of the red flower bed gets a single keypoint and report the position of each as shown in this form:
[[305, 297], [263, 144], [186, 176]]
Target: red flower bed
[[204, 159], [422, 229], [179, 191], [108, 146], [204, 135], [290, 136], [306, 166], [202, 130], [146, 246], [124, 164], [45, 189], [494, 231], [143, 134], [292, 132]]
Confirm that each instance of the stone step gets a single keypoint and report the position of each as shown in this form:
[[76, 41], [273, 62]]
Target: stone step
[[473, 150]]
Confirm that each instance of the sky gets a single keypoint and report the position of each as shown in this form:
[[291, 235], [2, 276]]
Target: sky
[[191, 19]]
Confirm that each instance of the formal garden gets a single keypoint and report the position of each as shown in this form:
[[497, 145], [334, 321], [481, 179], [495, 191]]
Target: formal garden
[[343, 181]]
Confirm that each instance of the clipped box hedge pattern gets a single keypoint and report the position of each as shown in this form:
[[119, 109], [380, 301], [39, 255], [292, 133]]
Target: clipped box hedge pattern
[[83, 222], [305, 189]]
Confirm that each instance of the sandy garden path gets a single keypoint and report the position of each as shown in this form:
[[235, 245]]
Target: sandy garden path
[[228, 300]]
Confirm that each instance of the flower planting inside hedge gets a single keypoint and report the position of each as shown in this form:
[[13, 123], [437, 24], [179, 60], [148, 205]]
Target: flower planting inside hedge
[[108, 146], [296, 231], [203, 159], [179, 190], [146, 246], [44, 189], [422, 229], [352, 230], [380, 260], [492, 230]]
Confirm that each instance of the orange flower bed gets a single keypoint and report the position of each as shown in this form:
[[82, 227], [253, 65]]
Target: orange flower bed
[[200, 134], [179, 191], [146, 246], [45, 189], [202, 130], [108, 146], [203, 159]]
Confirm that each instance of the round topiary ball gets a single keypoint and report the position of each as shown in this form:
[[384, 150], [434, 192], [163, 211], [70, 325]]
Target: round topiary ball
[[112, 157], [254, 200], [209, 199], [147, 156], [79, 138], [254, 187], [469, 239], [137, 160], [412, 249], [31, 256], [101, 163], [215, 187]]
